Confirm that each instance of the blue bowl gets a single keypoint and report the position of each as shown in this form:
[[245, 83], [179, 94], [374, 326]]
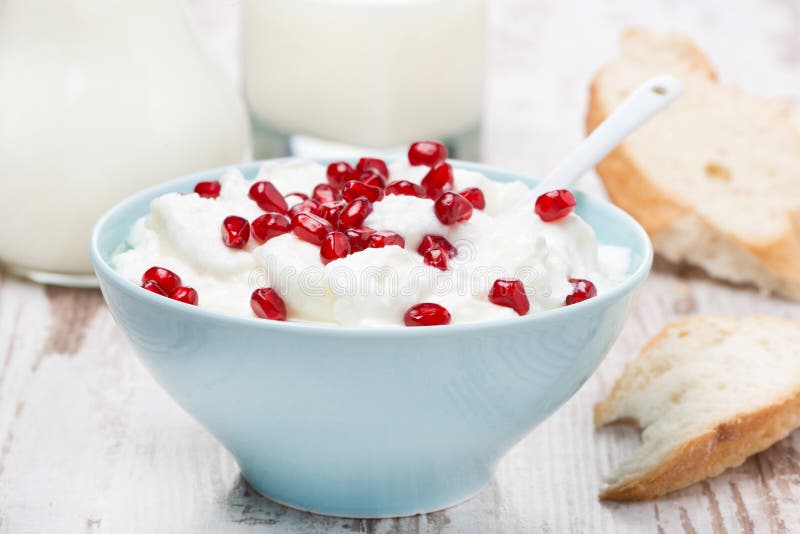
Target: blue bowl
[[368, 422]]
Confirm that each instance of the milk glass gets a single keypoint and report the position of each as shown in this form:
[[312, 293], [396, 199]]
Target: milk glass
[[374, 74], [99, 99]]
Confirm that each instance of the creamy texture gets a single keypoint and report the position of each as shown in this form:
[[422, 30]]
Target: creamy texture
[[376, 286]]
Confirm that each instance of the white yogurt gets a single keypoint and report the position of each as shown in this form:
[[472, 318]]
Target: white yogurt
[[374, 287]]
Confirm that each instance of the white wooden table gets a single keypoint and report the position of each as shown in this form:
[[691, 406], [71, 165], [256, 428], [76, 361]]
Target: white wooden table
[[89, 443]]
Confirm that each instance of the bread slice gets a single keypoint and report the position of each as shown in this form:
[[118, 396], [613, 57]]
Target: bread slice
[[715, 179], [708, 392]]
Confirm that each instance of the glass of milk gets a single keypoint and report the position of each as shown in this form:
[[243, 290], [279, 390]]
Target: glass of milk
[[99, 99], [370, 76]]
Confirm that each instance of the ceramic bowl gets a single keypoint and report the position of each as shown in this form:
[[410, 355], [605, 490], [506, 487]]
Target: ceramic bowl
[[368, 422]]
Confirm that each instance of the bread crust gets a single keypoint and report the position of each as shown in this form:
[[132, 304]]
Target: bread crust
[[728, 444], [657, 211]]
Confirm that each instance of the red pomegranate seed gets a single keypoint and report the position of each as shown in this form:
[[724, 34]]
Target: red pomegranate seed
[[235, 231], [208, 189], [404, 187], [300, 196], [330, 210], [310, 228], [436, 257], [475, 197], [359, 238], [324, 193], [438, 180], [354, 189], [386, 238], [270, 225], [267, 304], [354, 213], [152, 286], [452, 208], [335, 245], [430, 242], [166, 279], [427, 153], [511, 294], [581, 290], [372, 178], [339, 172], [373, 164], [268, 197], [426, 314], [555, 205], [184, 294], [306, 206]]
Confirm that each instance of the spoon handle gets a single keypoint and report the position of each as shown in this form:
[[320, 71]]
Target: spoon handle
[[645, 102]]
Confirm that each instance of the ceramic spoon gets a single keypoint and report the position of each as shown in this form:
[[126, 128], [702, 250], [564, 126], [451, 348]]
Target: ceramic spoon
[[650, 98]]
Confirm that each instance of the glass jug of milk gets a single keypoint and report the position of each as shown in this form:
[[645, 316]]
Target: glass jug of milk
[[99, 99], [368, 73]]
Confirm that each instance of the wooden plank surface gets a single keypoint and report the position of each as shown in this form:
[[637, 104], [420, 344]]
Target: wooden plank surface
[[89, 443]]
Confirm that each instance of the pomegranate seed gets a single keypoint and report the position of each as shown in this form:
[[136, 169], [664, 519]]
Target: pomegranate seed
[[555, 205], [267, 304], [581, 290], [511, 294], [372, 178], [268, 197], [335, 245], [475, 197], [386, 238], [330, 210], [300, 197], [324, 193], [438, 180], [436, 257], [306, 206], [354, 213], [310, 228], [427, 153], [451, 208], [152, 286], [404, 187], [184, 294], [208, 189], [339, 172], [166, 279], [270, 225], [354, 189], [235, 231], [430, 242], [359, 238], [426, 314], [373, 164]]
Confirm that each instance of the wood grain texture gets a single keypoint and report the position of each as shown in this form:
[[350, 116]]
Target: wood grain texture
[[90, 444]]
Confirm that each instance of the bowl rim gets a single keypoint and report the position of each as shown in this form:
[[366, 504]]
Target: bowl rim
[[104, 271]]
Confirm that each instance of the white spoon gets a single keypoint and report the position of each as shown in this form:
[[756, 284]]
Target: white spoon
[[650, 98]]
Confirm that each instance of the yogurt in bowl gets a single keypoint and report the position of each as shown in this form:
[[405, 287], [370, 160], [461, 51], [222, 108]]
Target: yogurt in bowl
[[347, 411], [455, 265]]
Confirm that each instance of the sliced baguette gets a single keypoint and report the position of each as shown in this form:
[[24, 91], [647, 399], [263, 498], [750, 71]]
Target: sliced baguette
[[708, 392], [715, 180]]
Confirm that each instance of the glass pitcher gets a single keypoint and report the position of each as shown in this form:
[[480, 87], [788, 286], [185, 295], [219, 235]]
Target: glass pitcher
[[99, 99]]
